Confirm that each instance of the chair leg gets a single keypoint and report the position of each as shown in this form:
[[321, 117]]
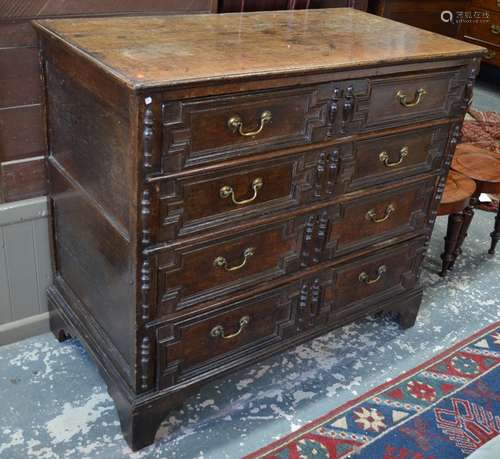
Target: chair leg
[[495, 235], [455, 222], [468, 214]]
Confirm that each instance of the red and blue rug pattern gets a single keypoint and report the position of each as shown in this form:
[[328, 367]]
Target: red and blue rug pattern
[[445, 408]]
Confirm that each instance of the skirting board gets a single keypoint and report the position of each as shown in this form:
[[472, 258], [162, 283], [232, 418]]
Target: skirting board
[[24, 328]]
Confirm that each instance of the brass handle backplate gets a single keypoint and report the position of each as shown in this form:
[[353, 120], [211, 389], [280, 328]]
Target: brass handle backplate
[[384, 157], [227, 191], [235, 123], [221, 262], [372, 214], [495, 29], [218, 330], [364, 277], [490, 54], [402, 97]]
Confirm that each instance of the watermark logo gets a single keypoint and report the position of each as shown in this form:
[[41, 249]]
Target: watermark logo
[[464, 17], [446, 16]]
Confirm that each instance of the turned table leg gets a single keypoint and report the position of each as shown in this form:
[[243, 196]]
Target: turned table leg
[[455, 222], [468, 214], [495, 235]]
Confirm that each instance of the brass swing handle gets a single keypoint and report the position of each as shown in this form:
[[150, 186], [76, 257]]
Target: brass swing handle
[[235, 123], [227, 191], [372, 214], [419, 93], [221, 262], [364, 277], [218, 330], [495, 29], [384, 157]]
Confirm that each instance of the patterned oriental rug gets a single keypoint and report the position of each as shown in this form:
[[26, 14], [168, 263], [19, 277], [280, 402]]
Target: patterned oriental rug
[[447, 407]]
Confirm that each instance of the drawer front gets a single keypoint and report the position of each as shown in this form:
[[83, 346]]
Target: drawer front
[[207, 130], [211, 129], [201, 272], [199, 344], [394, 157], [486, 30], [192, 204], [381, 216], [404, 99], [362, 283], [190, 273]]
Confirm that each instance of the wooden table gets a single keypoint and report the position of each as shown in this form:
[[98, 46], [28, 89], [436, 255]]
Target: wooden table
[[483, 166], [455, 203]]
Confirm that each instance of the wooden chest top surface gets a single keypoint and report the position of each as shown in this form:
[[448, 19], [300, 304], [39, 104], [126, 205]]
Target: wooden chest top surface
[[163, 51]]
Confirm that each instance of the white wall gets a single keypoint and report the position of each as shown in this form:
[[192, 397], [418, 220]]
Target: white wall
[[25, 270]]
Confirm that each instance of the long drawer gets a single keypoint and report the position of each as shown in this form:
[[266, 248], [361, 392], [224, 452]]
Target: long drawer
[[230, 335], [192, 203], [199, 271], [213, 129]]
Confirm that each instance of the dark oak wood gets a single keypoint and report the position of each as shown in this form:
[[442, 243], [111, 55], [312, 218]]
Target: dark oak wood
[[184, 249]]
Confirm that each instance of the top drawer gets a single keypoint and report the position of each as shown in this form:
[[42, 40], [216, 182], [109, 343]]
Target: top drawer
[[409, 98], [211, 129], [203, 130]]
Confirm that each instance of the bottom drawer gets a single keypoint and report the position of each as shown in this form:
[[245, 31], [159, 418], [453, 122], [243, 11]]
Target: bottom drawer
[[207, 343]]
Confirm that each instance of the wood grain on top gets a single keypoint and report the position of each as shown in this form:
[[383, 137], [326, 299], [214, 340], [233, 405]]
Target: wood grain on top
[[157, 51]]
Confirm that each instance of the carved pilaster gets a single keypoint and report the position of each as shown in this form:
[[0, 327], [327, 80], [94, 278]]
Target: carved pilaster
[[320, 175], [333, 168], [148, 135], [145, 217], [309, 304], [315, 235], [438, 194], [307, 241], [326, 172], [145, 288], [468, 93], [145, 357]]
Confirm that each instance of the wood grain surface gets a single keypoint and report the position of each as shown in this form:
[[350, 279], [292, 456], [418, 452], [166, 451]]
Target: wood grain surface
[[161, 51]]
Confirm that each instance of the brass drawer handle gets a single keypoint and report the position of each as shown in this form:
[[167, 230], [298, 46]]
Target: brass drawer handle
[[418, 97], [364, 277], [218, 330], [495, 29], [372, 214], [227, 191], [235, 123], [221, 262], [384, 157], [490, 54]]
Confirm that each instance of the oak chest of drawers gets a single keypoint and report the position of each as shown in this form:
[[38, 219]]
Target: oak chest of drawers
[[225, 187]]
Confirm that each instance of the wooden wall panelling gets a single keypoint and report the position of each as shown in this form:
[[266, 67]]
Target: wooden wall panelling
[[23, 179], [21, 113]]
